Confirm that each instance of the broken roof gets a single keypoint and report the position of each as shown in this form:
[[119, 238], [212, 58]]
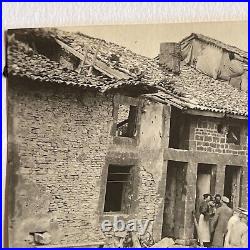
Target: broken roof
[[217, 43], [23, 61], [189, 90]]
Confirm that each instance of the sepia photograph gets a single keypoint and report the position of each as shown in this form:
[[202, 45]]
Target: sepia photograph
[[127, 136]]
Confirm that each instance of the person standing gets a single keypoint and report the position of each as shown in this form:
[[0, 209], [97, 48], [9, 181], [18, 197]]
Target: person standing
[[203, 224], [234, 219], [212, 207], [219, 223], [238, 237], [217, 201]]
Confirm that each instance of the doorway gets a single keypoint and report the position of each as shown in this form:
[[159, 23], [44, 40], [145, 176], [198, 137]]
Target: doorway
[[205, 184], [173, 216], [232, 185]]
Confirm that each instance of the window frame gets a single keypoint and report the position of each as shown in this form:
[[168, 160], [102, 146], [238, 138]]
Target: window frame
[[128, 101], [229, 130], [129, 174]]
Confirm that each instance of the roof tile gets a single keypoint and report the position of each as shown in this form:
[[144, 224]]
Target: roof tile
[[190, 89]]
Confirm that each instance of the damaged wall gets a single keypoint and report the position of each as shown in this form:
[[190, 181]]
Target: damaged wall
[[58, 137], [145, 153], [58, 146], [154, 132]]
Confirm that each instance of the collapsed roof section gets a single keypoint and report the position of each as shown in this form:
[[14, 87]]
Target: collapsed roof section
[[105, 66], [24, 61]]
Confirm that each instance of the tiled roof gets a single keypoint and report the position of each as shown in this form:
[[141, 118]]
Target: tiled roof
[[220, 44], [195, 90], [190, 90], [113, 55], [23, 61]]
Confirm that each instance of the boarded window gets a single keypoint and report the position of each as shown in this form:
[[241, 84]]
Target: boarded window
[[118, 189], [126, 122], [233, 135]]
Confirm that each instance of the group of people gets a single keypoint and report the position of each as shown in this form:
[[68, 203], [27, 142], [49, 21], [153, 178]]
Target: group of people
[[221, 226]]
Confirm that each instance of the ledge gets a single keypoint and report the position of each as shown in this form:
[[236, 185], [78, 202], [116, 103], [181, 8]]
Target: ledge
[[204, 157], [124, 140]]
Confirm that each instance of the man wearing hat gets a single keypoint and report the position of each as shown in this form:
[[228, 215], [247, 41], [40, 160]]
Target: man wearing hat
[[238, 237], [220, 221]]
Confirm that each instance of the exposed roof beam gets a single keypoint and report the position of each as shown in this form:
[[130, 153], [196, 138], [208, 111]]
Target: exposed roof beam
[[100, 66]]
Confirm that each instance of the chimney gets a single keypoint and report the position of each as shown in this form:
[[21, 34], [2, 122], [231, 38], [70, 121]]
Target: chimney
[[170, 56]]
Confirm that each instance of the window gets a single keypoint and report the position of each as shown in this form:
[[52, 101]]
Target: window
[[233, 135], [179, 130], [119, 189], [220, 128], [126, 122]]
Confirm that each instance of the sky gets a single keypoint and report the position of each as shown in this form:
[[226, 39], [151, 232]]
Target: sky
[[146, 39]]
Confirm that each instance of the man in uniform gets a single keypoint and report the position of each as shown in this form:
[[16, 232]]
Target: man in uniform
[[219, 223]]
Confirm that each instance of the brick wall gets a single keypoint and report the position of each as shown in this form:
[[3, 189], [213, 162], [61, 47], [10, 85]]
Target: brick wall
[[60, 140], [145, 154], [60, 137], [205, 137]]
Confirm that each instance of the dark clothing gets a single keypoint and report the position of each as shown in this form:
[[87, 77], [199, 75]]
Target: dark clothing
[[211, 208], [206, 244], [219, 224], [217, 204], [204, 209]]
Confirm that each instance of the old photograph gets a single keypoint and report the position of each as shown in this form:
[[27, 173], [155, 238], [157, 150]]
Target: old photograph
[[127, 136]]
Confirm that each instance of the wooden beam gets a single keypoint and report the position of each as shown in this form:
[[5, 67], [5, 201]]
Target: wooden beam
[[100, 66], [167, 102], [94, 58], [204, 113], [82, 63], [204, 157], [213, 114], [239, 117]]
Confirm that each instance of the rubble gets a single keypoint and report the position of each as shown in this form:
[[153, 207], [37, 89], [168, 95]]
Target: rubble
[[164, 243], [42, 238]]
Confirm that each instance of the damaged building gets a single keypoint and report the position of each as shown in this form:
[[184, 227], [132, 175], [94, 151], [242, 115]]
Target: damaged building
[[97, 131]]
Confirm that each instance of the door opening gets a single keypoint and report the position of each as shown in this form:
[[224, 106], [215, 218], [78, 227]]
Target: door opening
[[173, 216], [205, 184], [232, 185]]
